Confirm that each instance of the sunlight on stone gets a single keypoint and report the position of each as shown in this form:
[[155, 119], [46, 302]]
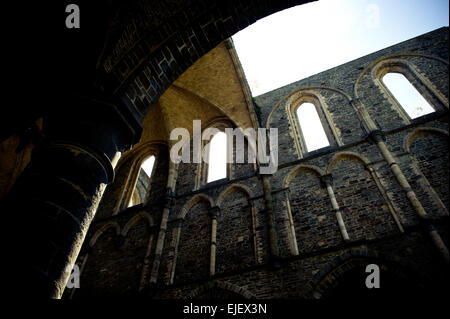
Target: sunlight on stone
[[147, 166]]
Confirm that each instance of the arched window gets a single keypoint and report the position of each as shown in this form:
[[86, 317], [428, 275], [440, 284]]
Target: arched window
[[412, 102], [143, 182], [214, 162], [311, 127], [217, 157]]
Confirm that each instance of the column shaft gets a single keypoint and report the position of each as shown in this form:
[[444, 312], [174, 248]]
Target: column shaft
[[55, 199]]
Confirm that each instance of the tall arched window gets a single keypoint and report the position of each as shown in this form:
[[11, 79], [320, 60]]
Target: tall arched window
[[311, 127], [143, 182], [217, 157], [407, 95]]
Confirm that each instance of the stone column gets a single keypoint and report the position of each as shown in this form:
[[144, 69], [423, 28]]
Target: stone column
[[214, 211], [144, 274], [327, 180], [385, 196], [173, 254], [83, 265], [291, 226], [255, 237], [378, 137], [54, 201], [268, 207], [161, 237], [169, 201]]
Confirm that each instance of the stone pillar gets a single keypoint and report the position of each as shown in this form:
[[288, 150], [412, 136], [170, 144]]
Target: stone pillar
[[54, 201], [378, 137], [437, 241], [171, 182], [83, 265], [327, 180], [255, 237], [214, 215], [268, 207], [290, 224], [173, 254], [385, 196], [144, 274], [161, 237]]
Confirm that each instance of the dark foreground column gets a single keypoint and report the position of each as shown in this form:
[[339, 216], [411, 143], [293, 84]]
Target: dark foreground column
[[54, 201]]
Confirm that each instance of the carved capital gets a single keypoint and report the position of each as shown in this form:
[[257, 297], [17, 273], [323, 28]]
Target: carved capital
[[169, 201], [376, 136], [326, 179], [214, 212]]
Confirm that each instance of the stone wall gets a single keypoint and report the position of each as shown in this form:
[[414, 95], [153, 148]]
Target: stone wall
[[154, 43], [382, 223]]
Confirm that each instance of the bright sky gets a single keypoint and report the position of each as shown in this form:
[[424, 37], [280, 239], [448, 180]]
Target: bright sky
[[147, 166], [302, 41], [299, 42], [406, 94], [311, 127], [217, 168]]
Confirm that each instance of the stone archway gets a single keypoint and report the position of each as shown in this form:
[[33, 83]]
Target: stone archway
[[144, 55], [95, 100]]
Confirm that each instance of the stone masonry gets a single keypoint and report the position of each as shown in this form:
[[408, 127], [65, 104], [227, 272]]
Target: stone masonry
[[378, 194]]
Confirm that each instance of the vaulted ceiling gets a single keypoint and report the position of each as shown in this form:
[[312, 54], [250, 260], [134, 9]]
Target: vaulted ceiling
[[211, 88]]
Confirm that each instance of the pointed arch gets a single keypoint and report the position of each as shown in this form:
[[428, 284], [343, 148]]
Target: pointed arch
[[291, 175], [421, 130], [353, 176], [194, 200], [216, 125], [121, 191], [310, 223], [428, 151], [291, 97], [192, 240], [140, 152], [235, 250], [398, 63], [231, 189], [383, 61], [320, 110], [135, 219], [102, 230], [343, 155]]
